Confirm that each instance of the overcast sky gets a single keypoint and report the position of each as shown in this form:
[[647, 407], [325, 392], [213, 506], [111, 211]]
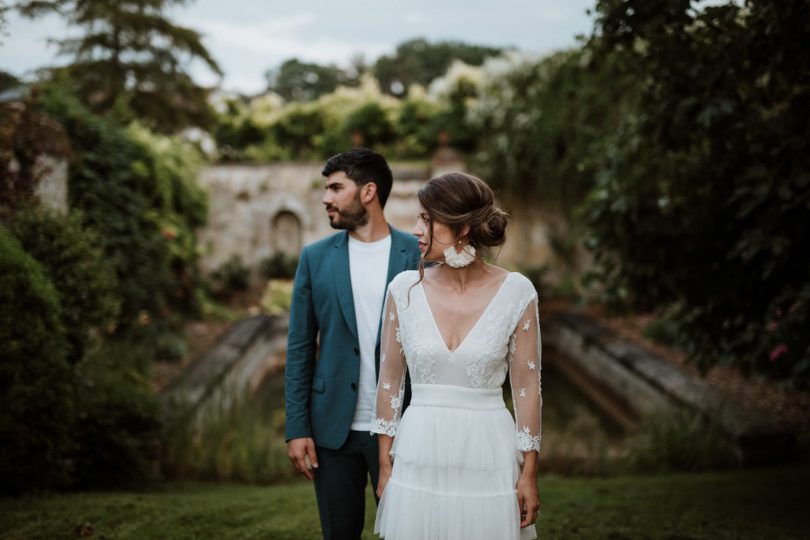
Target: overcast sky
[[249, 36]]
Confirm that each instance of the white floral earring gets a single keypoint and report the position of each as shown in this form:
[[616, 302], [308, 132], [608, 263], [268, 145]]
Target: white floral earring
[[459, 259]]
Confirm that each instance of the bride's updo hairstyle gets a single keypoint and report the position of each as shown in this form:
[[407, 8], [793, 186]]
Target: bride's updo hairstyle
[[456, 200]]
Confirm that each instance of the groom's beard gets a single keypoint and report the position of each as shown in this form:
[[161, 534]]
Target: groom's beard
[[349, 218]]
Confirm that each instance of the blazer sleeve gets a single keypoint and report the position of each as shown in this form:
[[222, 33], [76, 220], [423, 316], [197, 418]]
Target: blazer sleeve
[[301, 346]]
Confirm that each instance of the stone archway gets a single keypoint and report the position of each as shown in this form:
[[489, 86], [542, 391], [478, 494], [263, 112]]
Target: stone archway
[[286, 233]]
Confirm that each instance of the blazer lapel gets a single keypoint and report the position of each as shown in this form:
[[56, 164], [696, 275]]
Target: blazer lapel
[[343, 281], [398, 258]]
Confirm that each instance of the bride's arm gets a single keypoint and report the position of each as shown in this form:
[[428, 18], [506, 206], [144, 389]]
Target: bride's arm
[[524, 376], [385, 443], [390, 389]]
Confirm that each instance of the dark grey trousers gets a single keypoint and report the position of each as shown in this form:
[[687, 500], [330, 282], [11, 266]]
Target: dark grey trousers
[[340, 485]]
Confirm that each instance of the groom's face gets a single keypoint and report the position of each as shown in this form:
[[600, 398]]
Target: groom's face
[[342, 202]]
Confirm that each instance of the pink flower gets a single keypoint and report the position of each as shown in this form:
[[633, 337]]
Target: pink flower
[[778, 351]]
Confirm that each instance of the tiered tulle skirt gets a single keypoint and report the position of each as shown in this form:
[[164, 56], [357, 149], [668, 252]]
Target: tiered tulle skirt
[[455, 469]]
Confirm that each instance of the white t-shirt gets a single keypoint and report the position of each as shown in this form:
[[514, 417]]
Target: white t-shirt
[[368, 266]]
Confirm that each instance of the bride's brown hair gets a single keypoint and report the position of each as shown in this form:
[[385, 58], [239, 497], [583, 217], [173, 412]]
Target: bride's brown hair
[[458, 199]]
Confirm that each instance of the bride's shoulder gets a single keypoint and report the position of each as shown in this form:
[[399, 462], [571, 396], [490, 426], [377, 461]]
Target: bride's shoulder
[[404, 279], [522, 283]]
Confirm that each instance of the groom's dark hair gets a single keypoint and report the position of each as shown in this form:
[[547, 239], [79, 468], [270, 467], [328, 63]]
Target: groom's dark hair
[[363, 166]]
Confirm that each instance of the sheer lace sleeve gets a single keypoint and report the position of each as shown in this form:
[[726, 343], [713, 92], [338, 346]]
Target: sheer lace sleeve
[[391, 384], [524, 378]]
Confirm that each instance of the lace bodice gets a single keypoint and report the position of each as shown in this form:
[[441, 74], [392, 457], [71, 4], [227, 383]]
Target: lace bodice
[[504, 340]]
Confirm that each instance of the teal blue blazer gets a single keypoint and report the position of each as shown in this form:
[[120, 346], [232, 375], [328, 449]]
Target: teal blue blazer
[[323, 353]]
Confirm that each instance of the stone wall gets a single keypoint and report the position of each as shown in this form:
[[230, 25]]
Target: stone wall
[[52, 189], [258, 210]]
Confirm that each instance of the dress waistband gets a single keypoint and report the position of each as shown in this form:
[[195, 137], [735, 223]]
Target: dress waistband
[[459, 397]]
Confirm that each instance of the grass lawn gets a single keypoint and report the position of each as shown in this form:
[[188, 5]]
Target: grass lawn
[[767, 503]]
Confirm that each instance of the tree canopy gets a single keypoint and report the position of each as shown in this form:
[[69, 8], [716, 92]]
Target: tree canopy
[[295, 80], [418, 61], [3, 9], [132, 55]]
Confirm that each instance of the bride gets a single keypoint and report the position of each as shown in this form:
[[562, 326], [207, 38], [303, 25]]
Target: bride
[[456, 465]]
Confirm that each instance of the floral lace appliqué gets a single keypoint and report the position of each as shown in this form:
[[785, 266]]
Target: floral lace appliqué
[[385, 427], [526, 442]]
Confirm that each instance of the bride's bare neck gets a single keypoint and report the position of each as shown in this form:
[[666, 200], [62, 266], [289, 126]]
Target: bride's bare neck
[[459, 280]]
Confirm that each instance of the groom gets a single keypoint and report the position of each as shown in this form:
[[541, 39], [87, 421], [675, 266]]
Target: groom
[[333, 344]]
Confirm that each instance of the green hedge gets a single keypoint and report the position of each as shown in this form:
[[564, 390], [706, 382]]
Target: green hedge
[[36, 382], [75, 265], [75, 412], [117, 433], [89, 300]]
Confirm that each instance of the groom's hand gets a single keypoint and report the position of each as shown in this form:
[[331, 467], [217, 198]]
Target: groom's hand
[[301, 450]]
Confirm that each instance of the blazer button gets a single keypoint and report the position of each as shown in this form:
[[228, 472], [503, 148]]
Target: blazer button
[[356, 350], [354, 386]]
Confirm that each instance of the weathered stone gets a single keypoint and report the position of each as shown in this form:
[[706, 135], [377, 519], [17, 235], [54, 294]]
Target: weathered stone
[[246, 202], [651, 385], [232, 368]]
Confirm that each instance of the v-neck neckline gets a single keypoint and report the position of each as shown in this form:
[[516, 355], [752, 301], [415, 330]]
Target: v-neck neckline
[[474, 326]]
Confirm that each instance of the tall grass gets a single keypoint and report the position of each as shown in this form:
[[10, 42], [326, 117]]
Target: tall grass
[[681, 441], [245, 444]]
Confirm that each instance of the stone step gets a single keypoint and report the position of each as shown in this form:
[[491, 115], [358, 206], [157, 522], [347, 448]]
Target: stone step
[[231, 369], [651, 385]]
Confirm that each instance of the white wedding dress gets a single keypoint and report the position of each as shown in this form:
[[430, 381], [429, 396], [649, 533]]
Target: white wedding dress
[[457, 451]]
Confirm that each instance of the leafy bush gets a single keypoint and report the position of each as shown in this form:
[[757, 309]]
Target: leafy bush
[[663, 329], [545, 122], [297, 130], [232, 276], [128, 241], [458, 91], [117, 428], [138, 192], [90, 424], [372, 122], [36, 410], [266, 130], [179, 206], [417, 128], [702, 198], [279, 266], [277, 297], [233, 135], [75, 265], [107, 182]]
